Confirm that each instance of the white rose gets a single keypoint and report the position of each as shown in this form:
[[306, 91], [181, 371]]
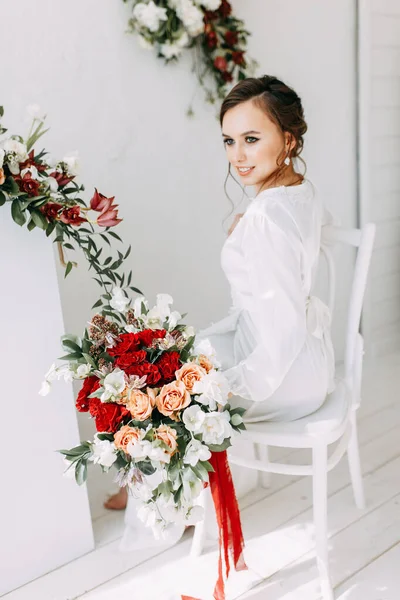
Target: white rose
[[114, 384], [216, 428], [196, 451], [149, 15], [82, 371], [71, 162], [191, 16], [104, 452], [193, 418], [213, 389], [119, 301]]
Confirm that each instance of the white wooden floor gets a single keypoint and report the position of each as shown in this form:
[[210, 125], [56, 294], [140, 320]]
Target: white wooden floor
[[364, 546]]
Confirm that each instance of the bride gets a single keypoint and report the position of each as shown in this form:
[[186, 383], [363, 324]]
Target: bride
[[275, 344]]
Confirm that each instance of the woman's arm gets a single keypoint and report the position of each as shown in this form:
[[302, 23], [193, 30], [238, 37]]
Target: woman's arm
[[277, 306]]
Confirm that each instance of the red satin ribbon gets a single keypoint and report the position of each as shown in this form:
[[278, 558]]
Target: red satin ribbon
[[228, 518]]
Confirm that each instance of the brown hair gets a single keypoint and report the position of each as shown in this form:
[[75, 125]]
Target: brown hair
[[282, 105]]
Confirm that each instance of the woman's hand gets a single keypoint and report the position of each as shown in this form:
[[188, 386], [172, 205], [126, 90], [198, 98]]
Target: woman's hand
[[235, 222]]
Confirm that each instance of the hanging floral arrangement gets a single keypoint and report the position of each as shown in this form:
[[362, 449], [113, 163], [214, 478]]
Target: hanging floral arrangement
[[45, 195], [209, 27]]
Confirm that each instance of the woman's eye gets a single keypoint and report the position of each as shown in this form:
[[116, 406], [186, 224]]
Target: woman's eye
[[251, 140], [228, 141]]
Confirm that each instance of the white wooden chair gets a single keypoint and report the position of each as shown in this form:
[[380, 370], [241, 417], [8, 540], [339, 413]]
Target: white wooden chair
[[334, 422]]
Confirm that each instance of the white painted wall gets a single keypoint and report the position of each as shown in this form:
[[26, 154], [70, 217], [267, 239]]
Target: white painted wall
[[125, 112], [379, 161], [44, 517]]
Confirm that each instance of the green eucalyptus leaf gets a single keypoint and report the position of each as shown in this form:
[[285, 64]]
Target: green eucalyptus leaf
[[68, 268], [17, 214]]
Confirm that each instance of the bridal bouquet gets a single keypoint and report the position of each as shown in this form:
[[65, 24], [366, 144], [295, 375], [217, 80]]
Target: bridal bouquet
[[159, 403]]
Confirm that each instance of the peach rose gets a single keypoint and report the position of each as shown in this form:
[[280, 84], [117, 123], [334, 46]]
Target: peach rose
[[125, 435], [205, 363], [167, 435], [189, 374], [2, 176], [141, 405], [172, 397]]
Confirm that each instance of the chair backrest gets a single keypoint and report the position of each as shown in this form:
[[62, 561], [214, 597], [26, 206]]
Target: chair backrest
[[363, 240]]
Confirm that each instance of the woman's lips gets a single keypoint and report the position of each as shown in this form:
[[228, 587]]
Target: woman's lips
[[246, 172]]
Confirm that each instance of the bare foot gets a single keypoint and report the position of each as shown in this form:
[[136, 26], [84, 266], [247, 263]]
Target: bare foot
[[117, 501]]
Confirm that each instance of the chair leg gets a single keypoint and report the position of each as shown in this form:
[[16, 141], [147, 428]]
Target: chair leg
[[320, 502], [353, 456], [200, 529], [262, 453]]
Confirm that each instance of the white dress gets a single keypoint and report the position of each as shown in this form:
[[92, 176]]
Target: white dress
[[275, 344]]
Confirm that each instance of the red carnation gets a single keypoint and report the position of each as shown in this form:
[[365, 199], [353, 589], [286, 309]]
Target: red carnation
[[28, 185], [51, 210], [225, 9], [129, 343], [71, 216], [147, 336], [167, 364], [90, 385], [238, 58], [151, 371], [130, 358], [107, 415], [220, 64], [231, 38]]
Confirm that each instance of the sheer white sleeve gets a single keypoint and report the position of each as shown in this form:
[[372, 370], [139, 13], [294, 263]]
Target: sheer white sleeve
[[276, 305]]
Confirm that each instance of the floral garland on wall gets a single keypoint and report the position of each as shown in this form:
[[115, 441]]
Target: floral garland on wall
[[45, 195], [218, 38]]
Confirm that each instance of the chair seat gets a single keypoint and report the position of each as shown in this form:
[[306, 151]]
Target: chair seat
[[327, 423]]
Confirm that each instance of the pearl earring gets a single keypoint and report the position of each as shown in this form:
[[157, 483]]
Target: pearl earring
[[287, 161]]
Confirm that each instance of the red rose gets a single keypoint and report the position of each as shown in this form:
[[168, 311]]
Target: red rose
[[28, 185], [71, 216], [107, 415], [231, 38], [90, 385], [238, 58], [212, 40], [51, 210], [148, 335], [61, 178], [210, 15], [129, 343], [130, 358], [151, 371], [167, 364], [220, 64], [227, 76], [225, 9]]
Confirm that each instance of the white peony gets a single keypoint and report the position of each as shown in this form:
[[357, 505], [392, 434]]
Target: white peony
[[191, 16], [216, 428], [213, 389], [149, 15], [104, 452], [114, 384], [71, 162], [196, 451], [119, 301], [193, 418], [205, 347]]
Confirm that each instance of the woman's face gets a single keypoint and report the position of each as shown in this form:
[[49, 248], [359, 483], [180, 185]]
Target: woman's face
[[253, 142]]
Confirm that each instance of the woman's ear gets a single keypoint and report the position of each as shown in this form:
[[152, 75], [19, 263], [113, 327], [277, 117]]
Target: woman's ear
[[290, 141]]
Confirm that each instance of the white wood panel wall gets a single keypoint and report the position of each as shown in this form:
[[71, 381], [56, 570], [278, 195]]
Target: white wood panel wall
[[379, 153]]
